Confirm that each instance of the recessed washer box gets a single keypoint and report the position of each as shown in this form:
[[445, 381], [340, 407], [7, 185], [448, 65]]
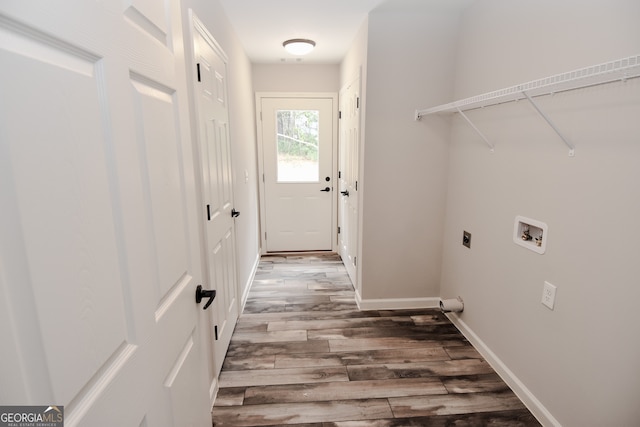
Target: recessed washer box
[[531, 234]]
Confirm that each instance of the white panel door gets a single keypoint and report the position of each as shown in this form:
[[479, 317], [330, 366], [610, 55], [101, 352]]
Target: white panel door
[[210, 87], [349, 148], [99, 255], [297, 146]]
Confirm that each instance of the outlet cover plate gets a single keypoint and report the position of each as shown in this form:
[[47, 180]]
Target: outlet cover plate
[[466, 239], [549, 295]]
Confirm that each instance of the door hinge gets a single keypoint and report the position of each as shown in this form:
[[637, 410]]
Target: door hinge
[[339, 114], [355, 261], [198, 68], [215, 330], [356, 185], [358, 102], [208, 212], [338, 230], [339, 174]]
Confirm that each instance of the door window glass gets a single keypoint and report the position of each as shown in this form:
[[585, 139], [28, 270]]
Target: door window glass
[[297, 133]]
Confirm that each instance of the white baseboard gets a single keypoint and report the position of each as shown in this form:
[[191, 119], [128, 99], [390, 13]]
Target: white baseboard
[[247, 285], [213, 392], [396, 303], [518, 387]]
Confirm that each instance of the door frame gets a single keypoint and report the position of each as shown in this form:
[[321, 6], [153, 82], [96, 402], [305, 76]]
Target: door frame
[[334, 159]]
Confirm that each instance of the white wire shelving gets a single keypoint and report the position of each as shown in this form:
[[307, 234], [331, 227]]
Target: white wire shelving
[[618, 70]]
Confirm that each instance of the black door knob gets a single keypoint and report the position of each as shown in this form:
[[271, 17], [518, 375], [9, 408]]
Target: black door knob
[[326, 189], [234, 213], [201, 294], [345, 193]]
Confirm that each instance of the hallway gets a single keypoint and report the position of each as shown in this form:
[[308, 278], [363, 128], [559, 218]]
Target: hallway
[[302, 354]]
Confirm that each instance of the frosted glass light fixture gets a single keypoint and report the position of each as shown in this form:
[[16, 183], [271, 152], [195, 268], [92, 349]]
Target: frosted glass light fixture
[[299, 46]]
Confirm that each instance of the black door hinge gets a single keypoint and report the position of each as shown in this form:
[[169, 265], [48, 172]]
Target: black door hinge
[[215, 331], [339, 114], [208, 212], [198, 68], [355, 261], [358, 102], [338, 230], [356, 185], [339, 174]]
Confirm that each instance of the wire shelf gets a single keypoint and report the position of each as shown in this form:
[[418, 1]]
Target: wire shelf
[[621, 69]]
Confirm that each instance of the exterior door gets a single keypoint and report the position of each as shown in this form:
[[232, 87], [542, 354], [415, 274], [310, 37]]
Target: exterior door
[[349, 148], [99, 252], [210, 84], [298, 197]]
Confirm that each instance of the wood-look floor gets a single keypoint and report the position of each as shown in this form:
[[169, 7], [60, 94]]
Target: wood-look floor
[[302, 354]]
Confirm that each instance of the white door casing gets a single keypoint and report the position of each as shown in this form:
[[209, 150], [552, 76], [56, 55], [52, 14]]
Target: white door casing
[[297, 216], [210, 88], [348, 171], [99, 255]]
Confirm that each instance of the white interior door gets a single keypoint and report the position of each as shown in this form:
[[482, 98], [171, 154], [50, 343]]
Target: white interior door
[[99, 256], [210, 85], [349, 148], [297, 137]]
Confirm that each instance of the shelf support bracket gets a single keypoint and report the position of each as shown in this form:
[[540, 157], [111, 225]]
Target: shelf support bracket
[[484, 138], [572, 148]]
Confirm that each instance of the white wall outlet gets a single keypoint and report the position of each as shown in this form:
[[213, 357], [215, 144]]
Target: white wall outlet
[[549, 295]]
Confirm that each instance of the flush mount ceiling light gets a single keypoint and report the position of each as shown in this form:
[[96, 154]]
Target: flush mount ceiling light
[[299, 46]]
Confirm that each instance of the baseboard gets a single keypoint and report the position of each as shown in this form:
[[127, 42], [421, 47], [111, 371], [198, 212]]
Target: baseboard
[[213, 392], [247, 285], [396, 303], [518, 387]]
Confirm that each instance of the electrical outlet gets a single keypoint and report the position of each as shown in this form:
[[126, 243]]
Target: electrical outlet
[[466, 239], [549, 295]]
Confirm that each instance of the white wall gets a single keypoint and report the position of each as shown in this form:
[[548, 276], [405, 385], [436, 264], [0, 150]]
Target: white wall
[[410, 63], [242, 133], [296, 77], [581, 361]]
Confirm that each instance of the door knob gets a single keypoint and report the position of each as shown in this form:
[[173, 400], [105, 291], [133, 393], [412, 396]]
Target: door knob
[[201, 294], [234, 213], [326, 189], [345, 193]]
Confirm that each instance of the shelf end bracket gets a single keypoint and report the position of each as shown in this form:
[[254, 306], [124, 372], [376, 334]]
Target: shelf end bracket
[[572, 148], [484, 138]]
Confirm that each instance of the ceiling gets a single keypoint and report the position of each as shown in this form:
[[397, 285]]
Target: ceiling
[[262, 26]]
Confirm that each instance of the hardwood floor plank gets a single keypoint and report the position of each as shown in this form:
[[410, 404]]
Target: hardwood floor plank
[[404, 355], [454, 404], [361, 344], [268, 337], [320, 392], [292, 413], [351, 312], [414, 332], [314, 324], [282, 376], [245, 363], [475, 384], [232, 396], [419, 369], [465, 352], [265, 349]]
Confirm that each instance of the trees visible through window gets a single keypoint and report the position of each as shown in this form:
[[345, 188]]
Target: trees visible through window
[[297, 133]]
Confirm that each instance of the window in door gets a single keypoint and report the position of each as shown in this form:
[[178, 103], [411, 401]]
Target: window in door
[[298, 149]]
